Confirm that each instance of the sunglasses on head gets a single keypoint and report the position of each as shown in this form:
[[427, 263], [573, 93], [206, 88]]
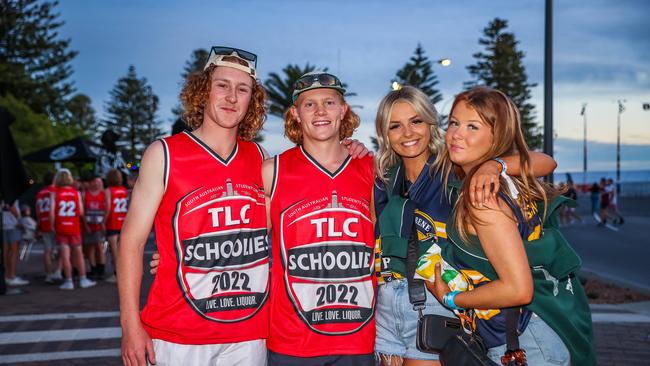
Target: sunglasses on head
[[323, 79], [220, 50]]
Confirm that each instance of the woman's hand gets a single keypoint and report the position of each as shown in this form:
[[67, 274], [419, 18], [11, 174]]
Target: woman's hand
[[355, 148], [438, 288], [485, 183], [154, 263]]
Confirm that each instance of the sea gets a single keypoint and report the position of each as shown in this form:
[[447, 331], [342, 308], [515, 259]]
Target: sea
[[633, 182]]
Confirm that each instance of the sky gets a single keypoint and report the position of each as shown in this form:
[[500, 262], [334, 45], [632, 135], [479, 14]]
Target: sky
[[601, 53]]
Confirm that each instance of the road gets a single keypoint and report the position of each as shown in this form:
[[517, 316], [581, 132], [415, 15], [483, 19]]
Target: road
[[622, 256]]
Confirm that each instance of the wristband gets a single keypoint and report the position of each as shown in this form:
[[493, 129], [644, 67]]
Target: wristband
[[448, 300], [504, 166], [514, 192]]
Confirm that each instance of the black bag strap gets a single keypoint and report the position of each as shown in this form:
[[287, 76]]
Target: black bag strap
[[417, 290], [512, 336]]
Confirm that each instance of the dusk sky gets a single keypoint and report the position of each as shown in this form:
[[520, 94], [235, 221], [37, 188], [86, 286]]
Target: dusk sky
[[601, 49]]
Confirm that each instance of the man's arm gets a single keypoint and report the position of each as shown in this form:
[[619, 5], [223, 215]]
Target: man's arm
[[146, 197]]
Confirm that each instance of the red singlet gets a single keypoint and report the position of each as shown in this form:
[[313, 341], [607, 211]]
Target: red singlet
[[94, 209], [43, 207], [119, 206], [323, 294], [213, 279], [67, 211]]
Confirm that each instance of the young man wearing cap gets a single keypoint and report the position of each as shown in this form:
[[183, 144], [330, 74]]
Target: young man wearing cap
[[323, 287], [203, 192]]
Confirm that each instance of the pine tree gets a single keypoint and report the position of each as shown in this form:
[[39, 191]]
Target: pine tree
[[196, 63], [418, 72], [34, 60], [500, 66], [132, 113], [81, 114]]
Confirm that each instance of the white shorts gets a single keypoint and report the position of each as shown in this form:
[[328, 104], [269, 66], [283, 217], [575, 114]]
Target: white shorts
[[225, 354]]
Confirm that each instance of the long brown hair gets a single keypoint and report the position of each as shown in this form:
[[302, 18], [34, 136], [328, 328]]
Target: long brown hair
[[499, 112], [195, 96]]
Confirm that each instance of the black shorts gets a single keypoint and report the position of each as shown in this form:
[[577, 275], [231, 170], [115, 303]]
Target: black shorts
[[112, 232], [279, 359]]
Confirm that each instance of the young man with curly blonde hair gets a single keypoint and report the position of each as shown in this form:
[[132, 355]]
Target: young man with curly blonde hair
[[323, 287], [202, 190]]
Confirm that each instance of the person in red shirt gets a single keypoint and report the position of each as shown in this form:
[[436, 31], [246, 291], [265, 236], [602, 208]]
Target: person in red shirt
[[44, 229], [203, 192], [323, 282], [95, 211], [65, 216], [116, 207]]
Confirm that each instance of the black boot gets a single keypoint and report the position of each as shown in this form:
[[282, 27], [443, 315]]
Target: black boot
[[91, 274], [99, 275]]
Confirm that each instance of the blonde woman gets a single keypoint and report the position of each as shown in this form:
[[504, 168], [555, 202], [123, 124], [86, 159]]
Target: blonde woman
[[66, 219]]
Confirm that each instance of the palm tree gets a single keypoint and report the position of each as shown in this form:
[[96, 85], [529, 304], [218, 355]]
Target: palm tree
[[280, 87]]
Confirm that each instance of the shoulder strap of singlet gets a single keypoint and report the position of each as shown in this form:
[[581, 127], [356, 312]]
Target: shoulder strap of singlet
[[276, 168], [516, 210], [165, 163]]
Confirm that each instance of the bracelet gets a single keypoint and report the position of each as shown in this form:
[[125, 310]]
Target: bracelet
[[504, 166], [448, 300]]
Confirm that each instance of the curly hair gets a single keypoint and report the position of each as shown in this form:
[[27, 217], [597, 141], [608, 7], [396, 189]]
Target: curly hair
[[196, 93], [293, 131]]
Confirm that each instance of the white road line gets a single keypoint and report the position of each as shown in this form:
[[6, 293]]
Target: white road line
[[60, 335], [619, 318], [59, 316], [50, 356]]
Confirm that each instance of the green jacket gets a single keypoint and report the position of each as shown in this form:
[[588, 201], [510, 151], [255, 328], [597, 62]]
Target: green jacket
[[558, 296]]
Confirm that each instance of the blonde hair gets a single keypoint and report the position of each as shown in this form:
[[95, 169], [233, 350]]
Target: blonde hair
[[63, 177], [195, 96], [386, 156], [498, 112], [293, 131]]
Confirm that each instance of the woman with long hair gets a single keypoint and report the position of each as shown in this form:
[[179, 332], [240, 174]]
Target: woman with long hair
[[506, 250], [409, 167], [65, 216]]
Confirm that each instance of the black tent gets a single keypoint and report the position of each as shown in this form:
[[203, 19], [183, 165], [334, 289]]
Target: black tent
[[12, 176], [76, 150]]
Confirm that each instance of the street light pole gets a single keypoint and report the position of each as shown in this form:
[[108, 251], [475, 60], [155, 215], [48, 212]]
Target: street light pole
[[621, 109], [583, 113], [548, 82]]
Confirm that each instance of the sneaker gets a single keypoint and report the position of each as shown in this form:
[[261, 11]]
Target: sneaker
[[67, 285], [17, 281], [49, 278], [56, 276], [85, 283], [111, 279]]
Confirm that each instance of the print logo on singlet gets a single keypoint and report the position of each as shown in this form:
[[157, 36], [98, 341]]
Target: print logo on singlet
[[328, 265], [222, 252]]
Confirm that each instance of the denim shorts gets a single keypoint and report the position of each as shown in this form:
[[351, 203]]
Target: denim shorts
[[397, 321], [543, 346]]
